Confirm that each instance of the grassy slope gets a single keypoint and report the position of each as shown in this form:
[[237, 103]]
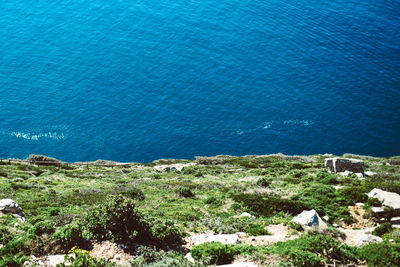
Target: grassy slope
[[61, 194]]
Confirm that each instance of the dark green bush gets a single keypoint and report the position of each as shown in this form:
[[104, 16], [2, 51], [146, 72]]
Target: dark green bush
[[383, 229], [381, 254], [42, 227], [165, 231], [214, 252], [315, 249], [267, 205], [353, 194], [264, 182], [71, 234], [136, 193], [184, 192], [256, 229], [373, 202], [117, 219]]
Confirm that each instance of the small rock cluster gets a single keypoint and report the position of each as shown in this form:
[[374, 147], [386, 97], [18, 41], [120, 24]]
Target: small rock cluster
[[9, 206]]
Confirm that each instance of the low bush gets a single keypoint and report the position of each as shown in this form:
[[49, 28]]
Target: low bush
[[383, 229], [373, 202], [256, 229], [214, 253], [264, 182], [184, 192], [117, 219], [315, 250], [381, 254], [42, 227], [267, 205]]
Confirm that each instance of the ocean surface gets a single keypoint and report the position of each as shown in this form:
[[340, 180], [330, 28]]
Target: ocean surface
[[138, 80]]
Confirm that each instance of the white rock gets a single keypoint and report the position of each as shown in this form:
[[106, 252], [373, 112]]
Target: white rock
[[189, 257], [343, 164], [9, 205], [326, 218], [377, 210], [388, 199], [359, 204], [369, 173], [224, 239], [346, 173], [365, 239], [54, 260], [335, 225], [310, 218], [246, 214]]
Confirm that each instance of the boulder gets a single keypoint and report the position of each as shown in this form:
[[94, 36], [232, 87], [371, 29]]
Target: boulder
[[10, 206], [343, 164], [310, 218], [388, 199], [365, 239]]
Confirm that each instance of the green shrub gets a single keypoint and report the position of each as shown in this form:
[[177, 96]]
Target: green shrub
[[373, 202], [117, 219], [42, 227], [136, 193], [71, 234], [166, 231], [53, 211], [184, 192], [213, 201], [383, 229], [314, 250], [267, 205], [83, 258], [256, 229], [214, 252], [326, 177], [264, 182], [381, 254], [353, 194]]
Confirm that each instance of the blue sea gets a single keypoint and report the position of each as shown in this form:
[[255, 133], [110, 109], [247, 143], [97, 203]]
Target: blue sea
[[139, 80]]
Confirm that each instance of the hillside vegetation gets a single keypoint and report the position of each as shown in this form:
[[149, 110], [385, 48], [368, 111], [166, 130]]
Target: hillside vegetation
[[149, 215]]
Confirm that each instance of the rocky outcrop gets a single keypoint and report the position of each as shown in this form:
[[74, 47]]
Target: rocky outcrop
[[343, 164], [10, 206], [42, 160], [366, 239], [308, 219], [173, 167], [388, 199]]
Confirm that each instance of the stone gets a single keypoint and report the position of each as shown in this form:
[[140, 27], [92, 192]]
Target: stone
[[326, 218], [359, 204], [9, 205], [377, 210], [310, 218], [171, 167], [369, 173], [395, 220], [189, 257], [365, 239], [246, 214], [344, 164], [224, 239], [388, 199]]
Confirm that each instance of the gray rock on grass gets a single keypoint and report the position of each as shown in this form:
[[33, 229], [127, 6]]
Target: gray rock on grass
[[309, 219], [340, 165]]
